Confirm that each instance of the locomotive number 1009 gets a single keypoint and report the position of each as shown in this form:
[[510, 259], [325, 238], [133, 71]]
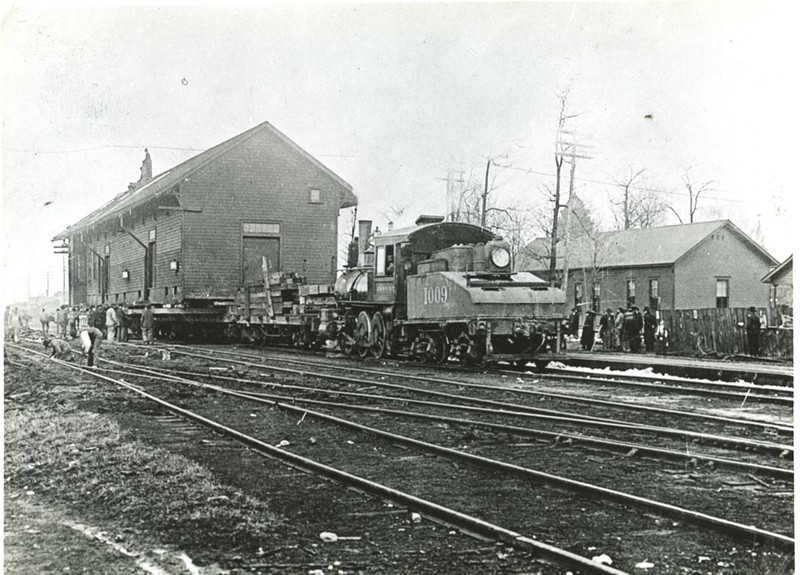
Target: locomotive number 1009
[[432, 295]]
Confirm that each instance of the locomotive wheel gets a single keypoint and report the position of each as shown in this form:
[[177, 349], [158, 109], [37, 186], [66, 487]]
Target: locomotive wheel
[[378, 335], [465, 348], [363, 335], [440, 348], [346, 345]]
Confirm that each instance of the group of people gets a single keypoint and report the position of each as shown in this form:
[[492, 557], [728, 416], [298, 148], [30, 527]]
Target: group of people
[[625, 329], [620, 331], [91, 324]]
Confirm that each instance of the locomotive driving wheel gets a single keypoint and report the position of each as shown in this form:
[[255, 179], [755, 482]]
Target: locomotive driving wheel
[[378, 339], [363, 334]]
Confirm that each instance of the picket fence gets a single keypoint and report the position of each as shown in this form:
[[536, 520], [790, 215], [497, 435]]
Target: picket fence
[[721, 332]]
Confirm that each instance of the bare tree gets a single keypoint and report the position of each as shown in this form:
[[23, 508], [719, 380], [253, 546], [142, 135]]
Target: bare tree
[[637, 206], [694, 190]]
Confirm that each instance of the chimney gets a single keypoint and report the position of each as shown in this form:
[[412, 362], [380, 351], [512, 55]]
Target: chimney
[[147, 167]]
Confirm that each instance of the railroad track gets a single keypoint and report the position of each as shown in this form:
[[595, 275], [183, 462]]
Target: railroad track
[[285, 403], [467, 523], [786, 474], [237, 358]]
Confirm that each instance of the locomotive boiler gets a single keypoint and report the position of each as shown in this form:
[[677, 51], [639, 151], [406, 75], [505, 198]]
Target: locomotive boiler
[[442, 290]]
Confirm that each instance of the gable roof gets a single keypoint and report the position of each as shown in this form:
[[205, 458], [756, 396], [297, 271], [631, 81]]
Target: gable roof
[[663, 245], [166, 180], [783, 269]]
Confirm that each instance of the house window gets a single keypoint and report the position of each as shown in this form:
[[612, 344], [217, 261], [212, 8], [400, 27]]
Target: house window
[[722, 293], [152, 236], [596, 298], [314, 196], [260, 229], [631, 291], [578, 294], [653, 295]]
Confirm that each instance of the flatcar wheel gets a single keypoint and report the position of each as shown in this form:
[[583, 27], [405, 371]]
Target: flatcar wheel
[[378, 335], [363, 335]]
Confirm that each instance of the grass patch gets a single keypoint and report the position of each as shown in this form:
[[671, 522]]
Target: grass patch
[[86, 461]]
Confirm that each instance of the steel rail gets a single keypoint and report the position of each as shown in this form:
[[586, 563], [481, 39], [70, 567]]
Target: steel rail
[[745, 531], [779, 429], [548, 375], [663, 385], [463, 521], [682, 434], [560, 372], [497, 404]]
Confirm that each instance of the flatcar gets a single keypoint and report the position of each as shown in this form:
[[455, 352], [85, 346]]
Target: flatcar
[[433, 291]]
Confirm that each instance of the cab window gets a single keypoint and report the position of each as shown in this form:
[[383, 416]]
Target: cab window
[[384, 256]]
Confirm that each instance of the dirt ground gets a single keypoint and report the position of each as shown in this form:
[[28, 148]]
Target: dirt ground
[[50, 529]]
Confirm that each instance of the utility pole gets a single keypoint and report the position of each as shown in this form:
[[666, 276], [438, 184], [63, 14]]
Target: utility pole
[[573, 155], [451, 189], [485, 193]]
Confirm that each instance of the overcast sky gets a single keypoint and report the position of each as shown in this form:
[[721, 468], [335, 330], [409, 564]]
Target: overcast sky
[[389, 95]]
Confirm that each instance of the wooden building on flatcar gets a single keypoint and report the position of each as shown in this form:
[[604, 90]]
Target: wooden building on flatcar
[[199, 231]]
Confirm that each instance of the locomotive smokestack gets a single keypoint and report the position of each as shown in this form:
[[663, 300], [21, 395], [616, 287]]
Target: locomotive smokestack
[[364, 232]]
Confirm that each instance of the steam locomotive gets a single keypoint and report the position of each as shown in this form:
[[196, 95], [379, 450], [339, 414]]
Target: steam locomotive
[[433, 291]]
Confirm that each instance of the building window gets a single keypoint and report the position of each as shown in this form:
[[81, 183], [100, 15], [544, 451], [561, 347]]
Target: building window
[[631, 290], [596, 298], [260, 229], [722, 293], [152, 236], [653, 295], [578, 294], [314, 196]]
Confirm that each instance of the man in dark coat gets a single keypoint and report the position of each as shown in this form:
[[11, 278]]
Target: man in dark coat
[[606, 329], [753, 328], [587, 337], [631, 328], [574, 322], [650, 325]]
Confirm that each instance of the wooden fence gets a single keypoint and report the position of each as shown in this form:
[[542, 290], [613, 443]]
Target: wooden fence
[[721, 332]]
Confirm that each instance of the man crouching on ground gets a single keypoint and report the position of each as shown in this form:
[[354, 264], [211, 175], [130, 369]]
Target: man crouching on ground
[[59, 349], [90, 343]]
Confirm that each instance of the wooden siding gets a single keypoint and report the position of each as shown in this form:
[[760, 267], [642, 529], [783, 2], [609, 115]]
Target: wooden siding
[[722, 255], [127, 253], [720, 332], [613, 287], [261, 180]]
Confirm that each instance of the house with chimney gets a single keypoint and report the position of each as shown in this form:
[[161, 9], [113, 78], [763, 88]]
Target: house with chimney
[[199, 230], [679, 267]]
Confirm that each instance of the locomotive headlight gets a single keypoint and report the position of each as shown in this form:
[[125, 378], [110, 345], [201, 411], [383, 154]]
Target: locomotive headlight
[[500, 257]]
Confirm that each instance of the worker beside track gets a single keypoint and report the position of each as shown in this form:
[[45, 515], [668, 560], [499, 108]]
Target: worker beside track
[[90, 343], [59, 349], [147, 325]]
